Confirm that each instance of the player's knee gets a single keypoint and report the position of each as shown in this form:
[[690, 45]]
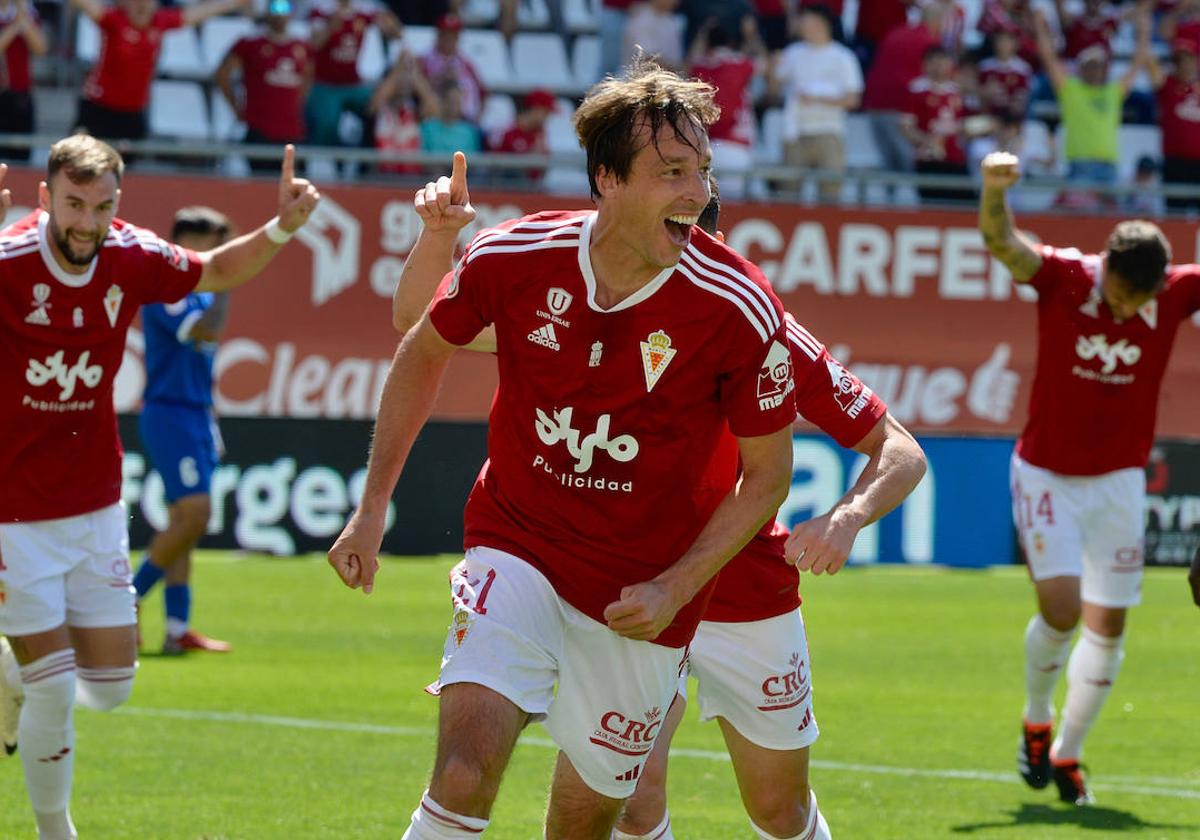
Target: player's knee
[[49, 687], [193, 517], [103, 689], [779, 812], [644, 810], [464, 784], [1062, 617]]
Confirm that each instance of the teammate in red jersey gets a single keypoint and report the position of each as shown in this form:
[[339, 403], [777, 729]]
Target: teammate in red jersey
[[627, 346], [752, 636], [72, 277], [1106, 323]]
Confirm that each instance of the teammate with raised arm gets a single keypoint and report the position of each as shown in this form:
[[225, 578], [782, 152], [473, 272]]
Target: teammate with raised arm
[[1106, 323], [628, 346], [72, 277], [750, 653]]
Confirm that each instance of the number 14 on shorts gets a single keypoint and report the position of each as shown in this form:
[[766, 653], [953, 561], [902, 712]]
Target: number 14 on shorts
[[1031, 512], [467, 592]]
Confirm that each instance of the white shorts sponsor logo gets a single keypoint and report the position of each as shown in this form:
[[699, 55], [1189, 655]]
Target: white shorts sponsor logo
[[775, 379], [628, 736], [786, 690]]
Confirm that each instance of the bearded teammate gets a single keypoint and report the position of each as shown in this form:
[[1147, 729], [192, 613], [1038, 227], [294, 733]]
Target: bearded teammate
[[1106, 323], [72, 277], [753, 634], [627, 347]]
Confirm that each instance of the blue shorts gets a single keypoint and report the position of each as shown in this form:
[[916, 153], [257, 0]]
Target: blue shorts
[[182, 442]]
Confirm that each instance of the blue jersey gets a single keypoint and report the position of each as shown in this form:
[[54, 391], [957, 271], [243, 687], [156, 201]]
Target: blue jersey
[[178, 369]]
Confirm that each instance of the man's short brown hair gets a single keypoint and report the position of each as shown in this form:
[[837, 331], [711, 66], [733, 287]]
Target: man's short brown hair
[[84, 159], [200, 221], [610, 120], [1139, 253]]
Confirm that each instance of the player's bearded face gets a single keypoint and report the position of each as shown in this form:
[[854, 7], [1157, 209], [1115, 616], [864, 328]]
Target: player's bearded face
[[80, 216]]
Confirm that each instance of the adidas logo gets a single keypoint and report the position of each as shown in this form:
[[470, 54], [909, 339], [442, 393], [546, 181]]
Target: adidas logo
[[630, 775], [546, 337]]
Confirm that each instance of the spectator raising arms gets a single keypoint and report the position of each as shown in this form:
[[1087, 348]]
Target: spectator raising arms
[[117, 90], [444, 65], [20, 37], [1014, 17], [338, 28], [1095, 25], [398, 105], [276, 72], [1179, 115]]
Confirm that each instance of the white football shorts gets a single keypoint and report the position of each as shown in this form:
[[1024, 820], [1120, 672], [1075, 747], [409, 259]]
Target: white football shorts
[[71, 571], [757, 675], [1089, 527], [512, 633]]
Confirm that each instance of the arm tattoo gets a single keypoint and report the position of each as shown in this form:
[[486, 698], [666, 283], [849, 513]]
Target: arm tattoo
[[1006, 244]]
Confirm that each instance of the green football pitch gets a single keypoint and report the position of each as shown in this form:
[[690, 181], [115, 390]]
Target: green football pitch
[[316, 725]]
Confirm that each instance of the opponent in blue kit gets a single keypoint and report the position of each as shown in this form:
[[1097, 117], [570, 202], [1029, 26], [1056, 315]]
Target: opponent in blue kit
[[179, 430]]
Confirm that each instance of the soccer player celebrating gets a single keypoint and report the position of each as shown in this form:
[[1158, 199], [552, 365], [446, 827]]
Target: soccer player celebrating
[[72, 277], [752, 633], [628, 347], [1106, 323], [179, 429]]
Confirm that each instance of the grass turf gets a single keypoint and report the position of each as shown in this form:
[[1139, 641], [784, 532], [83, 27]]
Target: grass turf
[[316, 726]]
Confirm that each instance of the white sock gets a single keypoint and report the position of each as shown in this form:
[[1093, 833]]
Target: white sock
[[433, 822], [662, 831], [103, 689], [46, 737], [1091, 673], [1045, 652], [814, 829], [176, 627]]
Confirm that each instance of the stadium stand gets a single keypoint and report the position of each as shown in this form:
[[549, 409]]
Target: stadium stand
[[178, 110]]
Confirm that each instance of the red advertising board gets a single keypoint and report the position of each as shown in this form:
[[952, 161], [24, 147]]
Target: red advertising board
[[910, 300]]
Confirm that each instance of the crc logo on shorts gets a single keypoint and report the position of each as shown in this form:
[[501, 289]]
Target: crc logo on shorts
[[786, 690], [775, 378], [628, 736], [1127, 560], [55, 369], [1089, 347], [848, 390], [557, 428]]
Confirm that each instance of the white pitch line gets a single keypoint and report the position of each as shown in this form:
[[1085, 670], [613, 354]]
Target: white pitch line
[[1136, 784]]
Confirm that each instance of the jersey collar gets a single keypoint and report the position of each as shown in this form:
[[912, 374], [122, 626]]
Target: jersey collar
[[65, 277], [589, 276]]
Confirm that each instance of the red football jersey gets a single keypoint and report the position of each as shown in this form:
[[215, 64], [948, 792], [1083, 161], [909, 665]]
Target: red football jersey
[[14, 61], [1095, 393], [1085, 32], [758, 583], [938, 109], [120, 80], [274, 74], [602, 435], [337, 60], [730, 73], [1004, 85], [62, 338], [1179, 116]]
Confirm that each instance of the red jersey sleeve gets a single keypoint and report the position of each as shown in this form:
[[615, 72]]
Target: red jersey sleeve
[[165, 272], [110, 21], [166, 19], [829, 396], [462, 306], [1061, 270]]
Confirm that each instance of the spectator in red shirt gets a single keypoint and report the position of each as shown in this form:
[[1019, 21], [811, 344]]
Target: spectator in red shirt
[[527, 136], [898, 62], [338, 29], [20, 37], [444, 65], [1179, 115], [1015, 17], [276, 71], [1181, 22], [1096, 24], [933, 123], [1004, 79], [117, 90], [398, 105], [876, 20]]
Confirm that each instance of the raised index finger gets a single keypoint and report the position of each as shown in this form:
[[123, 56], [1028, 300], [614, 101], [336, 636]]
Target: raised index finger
[[458, 175], [288, 171]]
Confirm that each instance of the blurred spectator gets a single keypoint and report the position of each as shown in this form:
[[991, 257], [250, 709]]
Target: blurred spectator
[[276, 71], [1183, 21], [716, 57], [876, 20], [527, 136], [1015, 17], [729, 13], [820, 82], [117, 90], [614, 14], [449, 131], [21, 36], [1179, 116], [1090, 104], [898, 61], [400, 101], [1003, 81], [338, 28], [445, 65], [657, 31], [1145, 201], [933, 123], [1096, 24], [423, 12], [773, 22], [1003, 134], [954, 25]]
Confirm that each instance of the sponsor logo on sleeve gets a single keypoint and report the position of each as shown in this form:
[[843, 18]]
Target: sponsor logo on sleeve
[[849, 392], [775, 378]]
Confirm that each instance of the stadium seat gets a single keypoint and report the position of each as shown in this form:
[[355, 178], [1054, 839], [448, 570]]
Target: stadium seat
[[581, 15], [532, 14], [499, 111], [1134, 142], [480, 12], [488, 52], [218, 35], [585, 61], [769, 149], [300, 29], [566, 180], [372, 58], [87, 39], [560, 133], [225, 124], [418, 40], [972, 9], [1037, 144], [861, 151], [540, 61], [180, 55], [178, 109]]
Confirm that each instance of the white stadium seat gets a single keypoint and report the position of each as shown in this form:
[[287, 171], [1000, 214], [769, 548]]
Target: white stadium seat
[[861, 151], [1137, 141], [480, 12], [178, 109], [585, 61], [225, 124], [489, 54], [87, 39], [560, 132], [532, 14], [769, 148], [581, 15], [218, 34], [540, 61], [418, 40], [372, 57], [499, 111], [180, 55]]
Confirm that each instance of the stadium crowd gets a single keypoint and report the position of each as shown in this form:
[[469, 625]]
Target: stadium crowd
[[940, 83]]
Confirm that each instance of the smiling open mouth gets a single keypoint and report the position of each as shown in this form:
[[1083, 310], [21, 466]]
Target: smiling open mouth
[[679, 228]]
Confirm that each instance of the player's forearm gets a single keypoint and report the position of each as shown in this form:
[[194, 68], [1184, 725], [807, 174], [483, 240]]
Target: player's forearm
[[427, 264], [895, 465], [1001, 236], [232, 264]]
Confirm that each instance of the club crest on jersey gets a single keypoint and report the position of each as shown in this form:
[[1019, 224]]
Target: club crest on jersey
[[40, 303], [657, 353], [112, 303], [775, 378], [594, 359], [558, 300]]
